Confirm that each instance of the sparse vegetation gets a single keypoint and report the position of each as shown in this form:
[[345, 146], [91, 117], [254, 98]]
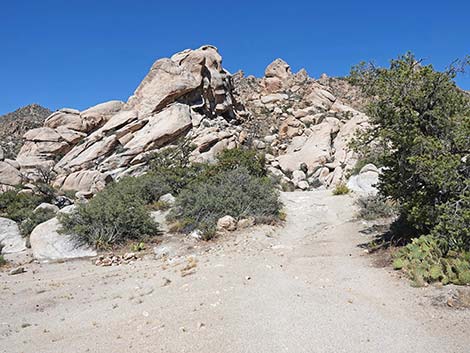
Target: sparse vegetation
[[20, 204], [235, 185], [3, 262], [341, 189], [35, 218], [234, 192], [375, 207]]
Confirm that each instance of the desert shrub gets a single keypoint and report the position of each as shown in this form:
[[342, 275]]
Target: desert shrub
[[375, 207], [341, 189], [173, 168], [115, 215], [423, 261], [233, 192], [422, 120], [148, 187], [18, 206], [35, 218], [251, 160]]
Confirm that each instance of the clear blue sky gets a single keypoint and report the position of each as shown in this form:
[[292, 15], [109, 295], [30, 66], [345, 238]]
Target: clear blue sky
[[78, 53]]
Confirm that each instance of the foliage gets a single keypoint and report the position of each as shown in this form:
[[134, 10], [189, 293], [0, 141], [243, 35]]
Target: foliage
[[341, 189], [375, 207], [18, 206], [35, 218], [251, 160], [173, 168], [236, 184], [3, 262], [115, 215], [421, 122], [140, 246], [233, 192], [424, 261]]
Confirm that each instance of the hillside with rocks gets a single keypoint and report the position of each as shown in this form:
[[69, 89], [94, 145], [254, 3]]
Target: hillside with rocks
[[302, 124], [213, 207], [15, 124]]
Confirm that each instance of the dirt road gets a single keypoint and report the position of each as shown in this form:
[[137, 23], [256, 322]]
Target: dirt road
[[305, 287]]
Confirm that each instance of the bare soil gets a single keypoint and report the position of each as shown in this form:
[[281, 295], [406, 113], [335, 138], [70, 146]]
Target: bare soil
[[304, 287]]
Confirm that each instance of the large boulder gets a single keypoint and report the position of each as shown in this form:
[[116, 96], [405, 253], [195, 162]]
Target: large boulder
[[85, 156], [97, 115], [315, 150], [47, 244], [69, 118], [10, 237], [278, 68], [162, 128], [9, 175], [86, 181], [365, 182], [166, 82], [276, 74], [42, 134]]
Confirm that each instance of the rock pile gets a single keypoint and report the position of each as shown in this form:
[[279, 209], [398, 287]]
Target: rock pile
[[300, 123], [189, 94]]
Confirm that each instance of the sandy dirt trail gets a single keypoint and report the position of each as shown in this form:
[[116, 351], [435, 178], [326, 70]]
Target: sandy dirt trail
[[305, 287]]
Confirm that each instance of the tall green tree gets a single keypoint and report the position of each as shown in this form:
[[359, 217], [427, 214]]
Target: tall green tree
[[420, 123]]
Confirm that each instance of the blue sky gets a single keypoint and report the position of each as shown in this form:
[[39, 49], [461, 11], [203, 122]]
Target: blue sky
[[80, 53]]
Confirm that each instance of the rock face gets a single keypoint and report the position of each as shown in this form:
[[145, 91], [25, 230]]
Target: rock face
[[49, 245], [304, 124], [9, 175], [189, 94], [10, 237]]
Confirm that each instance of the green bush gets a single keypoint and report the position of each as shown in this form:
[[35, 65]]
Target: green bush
[[423, 261], [148, 188], [173, 168], [35, 218], [18, 206], [375, 207], [236, 185], [251, 160], [341, 189], [233, 192], [115, 215], [3, 262], [422, 121]]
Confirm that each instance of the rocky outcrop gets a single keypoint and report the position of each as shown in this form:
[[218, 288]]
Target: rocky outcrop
[[11, 240], [13, 126], [303, 124]]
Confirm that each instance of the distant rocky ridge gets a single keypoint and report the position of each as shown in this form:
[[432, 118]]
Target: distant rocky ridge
[[15, 124], [302, 124]]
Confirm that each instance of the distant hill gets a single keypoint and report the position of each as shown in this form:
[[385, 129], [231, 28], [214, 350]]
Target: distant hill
[[13, 126]]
